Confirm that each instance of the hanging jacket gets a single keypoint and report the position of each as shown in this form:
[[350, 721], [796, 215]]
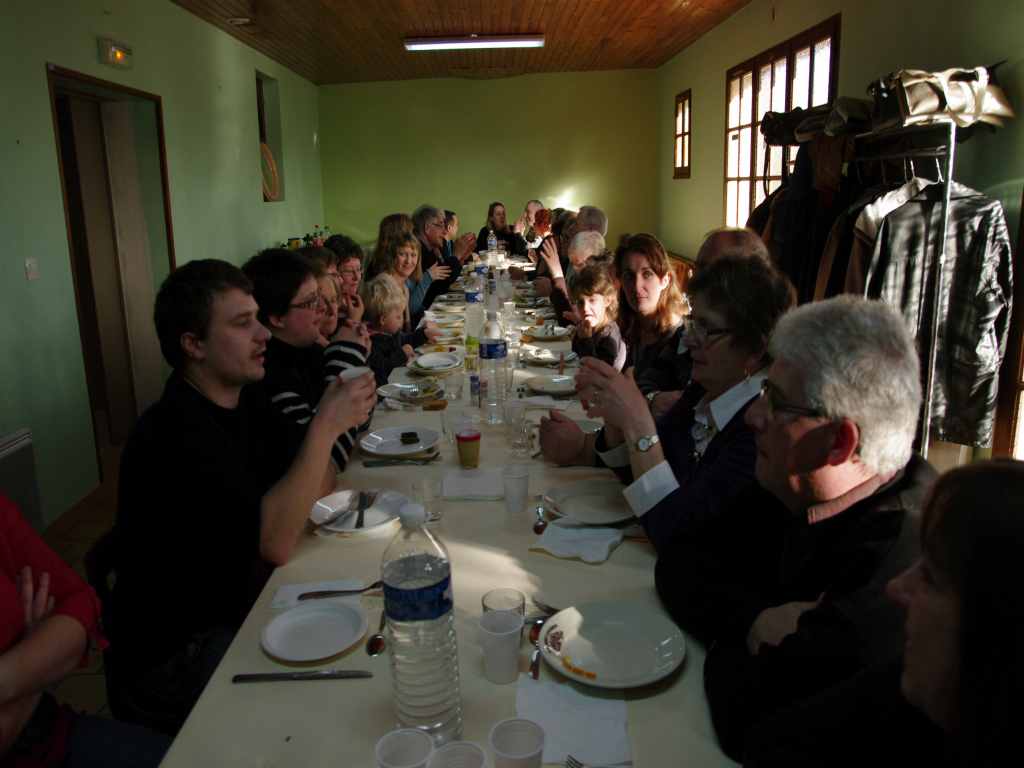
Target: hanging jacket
[[974, 306]]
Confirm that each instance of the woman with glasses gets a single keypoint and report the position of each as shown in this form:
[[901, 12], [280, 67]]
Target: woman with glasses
[[954, 698], [682, 469]]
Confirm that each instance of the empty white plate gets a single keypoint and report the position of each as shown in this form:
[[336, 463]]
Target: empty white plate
[[552, 384], [437, 361], [388, 441], [593, 502], [613, 644], [314, 631]]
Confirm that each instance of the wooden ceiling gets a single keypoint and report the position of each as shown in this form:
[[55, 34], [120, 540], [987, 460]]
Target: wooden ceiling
[[347, 41]]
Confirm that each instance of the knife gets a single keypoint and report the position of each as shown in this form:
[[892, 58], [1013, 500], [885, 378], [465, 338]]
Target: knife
[[400, 462], [364, 502], [321, 674]]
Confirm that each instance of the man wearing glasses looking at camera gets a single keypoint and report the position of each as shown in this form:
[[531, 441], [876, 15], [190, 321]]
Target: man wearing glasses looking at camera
[[430, 228], [786, 587]]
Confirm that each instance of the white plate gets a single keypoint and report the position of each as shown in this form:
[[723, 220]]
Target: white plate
[[382, 511], [437, 361], [314, 631], [455, 349], [552, 384], [547, 358], [613, 644], [425, 390], [388, 441], [448, 307], [593, 502], [547, 332], [447, 321]]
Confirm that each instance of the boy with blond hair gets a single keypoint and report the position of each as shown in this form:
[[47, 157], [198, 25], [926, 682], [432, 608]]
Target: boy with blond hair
[[384, 303]]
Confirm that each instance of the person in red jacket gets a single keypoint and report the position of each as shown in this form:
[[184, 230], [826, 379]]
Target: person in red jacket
[[49, 618]]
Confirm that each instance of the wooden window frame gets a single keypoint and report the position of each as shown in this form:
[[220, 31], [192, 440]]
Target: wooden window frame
[[683, 170], [787, 50]]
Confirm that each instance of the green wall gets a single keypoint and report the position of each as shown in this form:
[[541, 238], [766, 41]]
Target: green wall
[[207, 82], [567, 139], [876, 37]]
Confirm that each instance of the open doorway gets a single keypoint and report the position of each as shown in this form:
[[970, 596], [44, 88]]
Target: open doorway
[[113, 166]]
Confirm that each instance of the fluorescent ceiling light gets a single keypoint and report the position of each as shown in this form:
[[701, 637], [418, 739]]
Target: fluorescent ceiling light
[[473, 42]]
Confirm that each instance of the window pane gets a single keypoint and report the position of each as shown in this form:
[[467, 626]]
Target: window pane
[[762, 150], [773, 185], [743, 204], [822, 67], [679, 117], [734, 102], [779, 86], [1018, 439], [802, 78], [791, 151], [764, 92], [759, 194], [747, 101], [686, 116], [732, 168], [686, 151], [745, 137], [679, 152], [775, 168], [730, 204]]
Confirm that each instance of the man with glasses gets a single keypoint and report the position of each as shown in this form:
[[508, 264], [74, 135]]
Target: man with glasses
[[350, 274], [430, 228], [787, 586], [298, 368]]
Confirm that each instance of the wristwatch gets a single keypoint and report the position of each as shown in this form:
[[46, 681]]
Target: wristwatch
[[645, 443]]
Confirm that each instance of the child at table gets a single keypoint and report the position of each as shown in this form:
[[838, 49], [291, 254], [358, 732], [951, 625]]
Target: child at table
[[595, 297], [384, 303]]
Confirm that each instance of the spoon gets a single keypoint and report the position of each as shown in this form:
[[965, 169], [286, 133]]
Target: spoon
[[541, 524], [375, 644], [534, 637]]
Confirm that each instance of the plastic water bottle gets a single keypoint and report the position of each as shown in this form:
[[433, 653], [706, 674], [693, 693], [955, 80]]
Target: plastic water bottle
[[494, 365], [492, 242], [421, 629], [473, 292]]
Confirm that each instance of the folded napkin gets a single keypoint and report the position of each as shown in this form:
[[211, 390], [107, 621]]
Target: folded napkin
[[473, 485], [589, 728], [567, 538], [287, 595]]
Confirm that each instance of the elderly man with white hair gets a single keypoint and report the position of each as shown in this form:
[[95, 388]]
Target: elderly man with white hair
[[787, 586]]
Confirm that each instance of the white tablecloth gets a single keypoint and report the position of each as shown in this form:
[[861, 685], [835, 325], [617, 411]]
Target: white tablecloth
[[337, 723]]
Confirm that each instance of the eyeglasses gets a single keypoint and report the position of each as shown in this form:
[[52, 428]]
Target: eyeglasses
[[314, 302], [439, 224], [777, 405], [700, 331]]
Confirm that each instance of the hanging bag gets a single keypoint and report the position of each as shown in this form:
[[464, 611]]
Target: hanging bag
[[913, 97]]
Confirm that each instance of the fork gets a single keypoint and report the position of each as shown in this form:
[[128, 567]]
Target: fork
[[572, 762]]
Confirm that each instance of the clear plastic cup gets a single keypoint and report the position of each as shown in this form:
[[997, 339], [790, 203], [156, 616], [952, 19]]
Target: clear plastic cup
[[404, 748], [517, 743]]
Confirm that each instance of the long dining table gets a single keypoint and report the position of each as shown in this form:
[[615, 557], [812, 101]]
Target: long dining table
[[338, 722]]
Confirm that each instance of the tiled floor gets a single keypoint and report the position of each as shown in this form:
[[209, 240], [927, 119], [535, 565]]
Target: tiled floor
[[71, 536]]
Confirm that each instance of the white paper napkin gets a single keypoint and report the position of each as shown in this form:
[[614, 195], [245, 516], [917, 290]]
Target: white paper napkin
[[473, 485], [287, 595], [567, 538], [589, 728]]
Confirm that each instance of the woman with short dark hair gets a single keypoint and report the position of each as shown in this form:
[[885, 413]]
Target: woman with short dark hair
[[955, 697]]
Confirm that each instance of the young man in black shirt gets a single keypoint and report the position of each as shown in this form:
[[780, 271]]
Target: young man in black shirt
[[215, 490]]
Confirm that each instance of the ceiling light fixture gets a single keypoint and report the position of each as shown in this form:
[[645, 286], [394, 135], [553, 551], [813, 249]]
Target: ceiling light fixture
[[472, 42]]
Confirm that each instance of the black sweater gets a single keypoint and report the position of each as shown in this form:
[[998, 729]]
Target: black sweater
[[757, 555], [606, 345], [386, 354]]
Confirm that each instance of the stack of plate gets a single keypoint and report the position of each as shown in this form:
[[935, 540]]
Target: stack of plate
[[552, 384], [436, 362]]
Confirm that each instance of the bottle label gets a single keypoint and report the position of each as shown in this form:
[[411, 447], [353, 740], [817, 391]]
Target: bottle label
[[473, 297], [493, 349], [420, 604]]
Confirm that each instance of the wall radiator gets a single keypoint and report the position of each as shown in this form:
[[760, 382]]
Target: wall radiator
[[18, 475]]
